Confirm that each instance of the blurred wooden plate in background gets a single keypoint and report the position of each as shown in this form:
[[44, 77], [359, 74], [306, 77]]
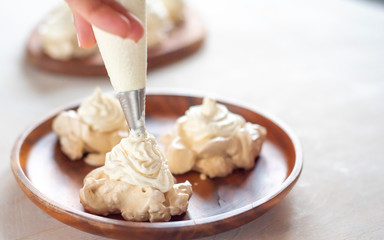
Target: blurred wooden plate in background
[[183, 41]]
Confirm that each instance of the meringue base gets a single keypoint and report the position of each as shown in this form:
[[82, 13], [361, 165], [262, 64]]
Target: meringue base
[[103, 196], [217, 157]]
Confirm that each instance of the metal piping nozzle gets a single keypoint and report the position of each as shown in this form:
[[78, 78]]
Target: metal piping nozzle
[[133, 104]]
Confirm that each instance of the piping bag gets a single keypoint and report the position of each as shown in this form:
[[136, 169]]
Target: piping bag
[[126, 64]]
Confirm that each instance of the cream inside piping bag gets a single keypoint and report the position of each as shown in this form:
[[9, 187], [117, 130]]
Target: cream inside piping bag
[[125, 60]]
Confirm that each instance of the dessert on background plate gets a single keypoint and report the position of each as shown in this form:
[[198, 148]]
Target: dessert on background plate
[[213, 141], [135, 182], [59, 39], [174, 30], [93, 129], [175, 10]]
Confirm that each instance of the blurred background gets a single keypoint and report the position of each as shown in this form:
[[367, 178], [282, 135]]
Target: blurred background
[[316, 65]]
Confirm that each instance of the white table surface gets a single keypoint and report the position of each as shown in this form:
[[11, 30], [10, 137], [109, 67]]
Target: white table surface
[[317, 65]]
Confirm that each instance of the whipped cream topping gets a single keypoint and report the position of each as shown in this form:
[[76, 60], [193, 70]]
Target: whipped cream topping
[[103, 195], [138, 160], [208, 121], [101, 112], [59, 39], [212, 140], [93, 129]]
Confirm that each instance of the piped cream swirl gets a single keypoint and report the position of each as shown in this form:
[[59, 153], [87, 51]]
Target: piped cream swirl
[[139, 161], [208, 121], [95, 128], [101, 112]]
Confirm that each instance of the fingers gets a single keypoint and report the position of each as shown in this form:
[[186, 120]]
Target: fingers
[[137, 30], [101, 15], [108, 16], [84, 32]]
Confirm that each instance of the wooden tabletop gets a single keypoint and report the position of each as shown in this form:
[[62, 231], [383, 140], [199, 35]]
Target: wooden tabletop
[[317, 65]]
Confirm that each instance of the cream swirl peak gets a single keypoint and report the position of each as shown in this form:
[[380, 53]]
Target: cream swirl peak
[[101, 112], [208, 121], [139, 161], [94, 129]]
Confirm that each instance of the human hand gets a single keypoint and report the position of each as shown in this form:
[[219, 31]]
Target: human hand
[[107, 15]]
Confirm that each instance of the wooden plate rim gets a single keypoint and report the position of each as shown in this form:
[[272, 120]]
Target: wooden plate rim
[[31, 190]]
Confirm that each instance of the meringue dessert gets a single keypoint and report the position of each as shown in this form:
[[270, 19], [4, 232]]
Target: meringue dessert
[[94, 129], [59, 39], [135, 182], [213, 141]]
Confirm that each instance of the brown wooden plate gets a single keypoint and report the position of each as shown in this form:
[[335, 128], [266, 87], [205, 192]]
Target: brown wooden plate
[[183, 41], [53, 182]]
